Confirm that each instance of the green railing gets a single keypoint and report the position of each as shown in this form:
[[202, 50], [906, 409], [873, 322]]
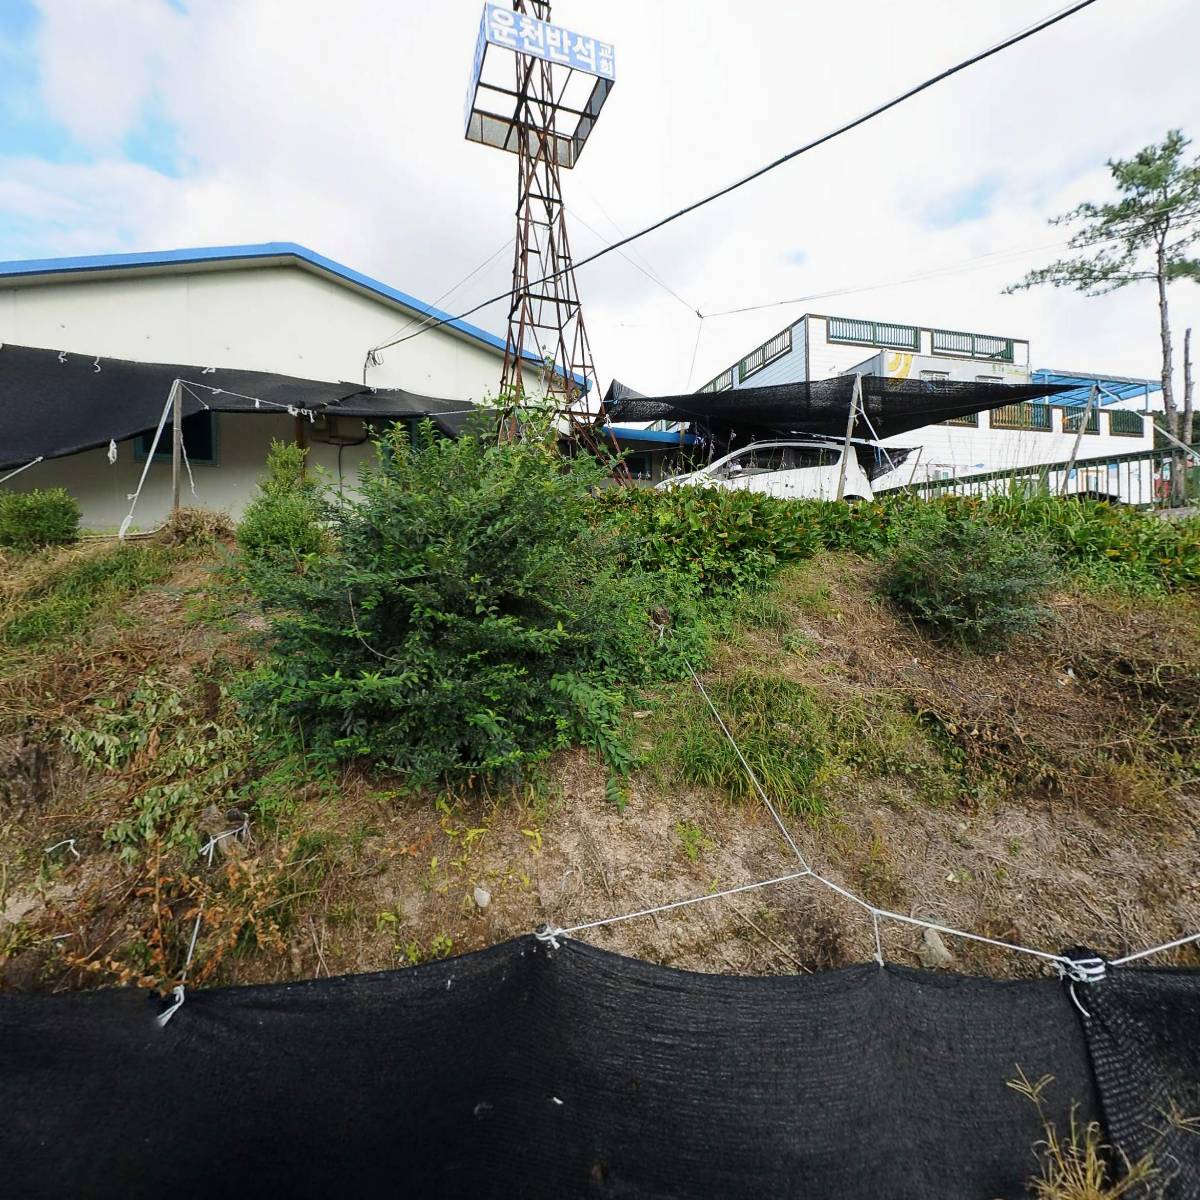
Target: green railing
[[1141, 479], [1028, 415], [1073, 418], [768, 352], [722, 383], [1124, 422], [971, 419], [972, 345], [873, 333]]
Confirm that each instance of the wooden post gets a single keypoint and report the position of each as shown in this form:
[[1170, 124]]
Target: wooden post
[[855, 401], [176, 442], [302, 441], [1087, 413]]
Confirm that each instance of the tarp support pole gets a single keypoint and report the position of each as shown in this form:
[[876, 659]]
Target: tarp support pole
[[301, 435], [176, 441], [1087, 416], [855, 401]]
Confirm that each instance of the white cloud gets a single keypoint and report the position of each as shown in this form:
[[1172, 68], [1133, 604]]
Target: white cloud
[[339, 126]]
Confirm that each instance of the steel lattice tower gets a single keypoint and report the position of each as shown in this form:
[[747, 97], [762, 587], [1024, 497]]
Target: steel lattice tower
[[545, 318]]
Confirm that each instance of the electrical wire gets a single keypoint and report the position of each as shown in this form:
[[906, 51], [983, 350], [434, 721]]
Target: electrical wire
[[1028, 32], [449, 292]]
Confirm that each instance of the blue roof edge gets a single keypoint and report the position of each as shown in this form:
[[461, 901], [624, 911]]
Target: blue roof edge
[[663, 437], [203, 254]]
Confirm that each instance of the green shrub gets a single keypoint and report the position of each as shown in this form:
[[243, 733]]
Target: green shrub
[[717, 542], [468, 617], [285, 521], [968, 580], [43, 517]]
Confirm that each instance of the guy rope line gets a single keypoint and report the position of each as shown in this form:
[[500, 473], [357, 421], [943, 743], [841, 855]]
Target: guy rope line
[[1073, 970]]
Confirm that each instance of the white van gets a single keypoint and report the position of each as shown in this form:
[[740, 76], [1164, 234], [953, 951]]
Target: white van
[[807, 470]]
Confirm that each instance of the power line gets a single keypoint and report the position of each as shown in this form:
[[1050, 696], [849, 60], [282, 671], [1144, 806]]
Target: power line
[[449, 291], [878, 110], [645, 270], [978, 262]]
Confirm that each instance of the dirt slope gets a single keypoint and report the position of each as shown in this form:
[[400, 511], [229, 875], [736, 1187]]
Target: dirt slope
[[1046, 796]]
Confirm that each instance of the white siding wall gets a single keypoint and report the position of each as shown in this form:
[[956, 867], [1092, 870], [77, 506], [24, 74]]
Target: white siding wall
[[269, 318]]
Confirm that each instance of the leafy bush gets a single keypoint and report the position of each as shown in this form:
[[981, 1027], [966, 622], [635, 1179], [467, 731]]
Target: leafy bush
[[1109, 544], [714, 541], [285, 521], [969, 580], [468, 618], [43, 517]]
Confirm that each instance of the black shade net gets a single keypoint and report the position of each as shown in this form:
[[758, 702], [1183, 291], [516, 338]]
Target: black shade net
[[528, 1071], [891, 406], [54, 403]]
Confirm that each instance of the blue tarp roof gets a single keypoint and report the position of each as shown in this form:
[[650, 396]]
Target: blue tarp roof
[[207, 254], [1113, 387], [661, 437]]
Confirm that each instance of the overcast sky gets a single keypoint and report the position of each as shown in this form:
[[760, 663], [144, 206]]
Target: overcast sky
[[152, 124]]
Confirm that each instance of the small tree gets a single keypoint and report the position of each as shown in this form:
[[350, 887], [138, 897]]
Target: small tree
[[1143, 236]]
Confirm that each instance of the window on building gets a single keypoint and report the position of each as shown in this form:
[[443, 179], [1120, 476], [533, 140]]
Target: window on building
[[989, 378], [935, 374], [199, 439]]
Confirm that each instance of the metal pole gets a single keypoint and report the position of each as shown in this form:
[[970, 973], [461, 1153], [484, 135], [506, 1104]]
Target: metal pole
[[1087, 413], [916, 462], [855, 401], [176, 441]]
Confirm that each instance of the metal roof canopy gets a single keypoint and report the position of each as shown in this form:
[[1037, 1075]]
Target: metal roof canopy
[[580, 87], [1112, 387]]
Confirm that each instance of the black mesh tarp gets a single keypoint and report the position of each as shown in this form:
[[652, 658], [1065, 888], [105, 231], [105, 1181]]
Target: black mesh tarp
[[892, 406], [54, 403], [526, 1071]]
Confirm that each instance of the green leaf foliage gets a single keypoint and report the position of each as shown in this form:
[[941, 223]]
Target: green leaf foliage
[[42, 517], [468, 617], [968, 580]]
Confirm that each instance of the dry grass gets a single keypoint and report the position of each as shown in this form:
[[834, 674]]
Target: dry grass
[[1077, 1165]]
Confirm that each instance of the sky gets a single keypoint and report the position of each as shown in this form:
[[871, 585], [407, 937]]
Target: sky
[[158, 124]]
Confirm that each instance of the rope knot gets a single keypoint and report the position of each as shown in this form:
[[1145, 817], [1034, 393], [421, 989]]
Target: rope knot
[[163, 1017], [548, 935], [1088, 968]]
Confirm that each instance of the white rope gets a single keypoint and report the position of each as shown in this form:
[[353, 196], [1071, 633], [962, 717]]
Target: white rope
[[241, 832], [1183, 941], [26, 467], [68, 842], [188, 465], [311, 413], [146, 468], [862, 408], [179, 991], [549, 933]]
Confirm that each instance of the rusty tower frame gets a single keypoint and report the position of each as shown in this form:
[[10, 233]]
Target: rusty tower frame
[[545, 120]]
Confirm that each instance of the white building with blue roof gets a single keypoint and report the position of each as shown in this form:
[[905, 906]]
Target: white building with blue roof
[[275, 306]]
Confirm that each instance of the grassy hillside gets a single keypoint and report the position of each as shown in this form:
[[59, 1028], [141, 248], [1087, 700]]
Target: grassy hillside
[[1045, 792]]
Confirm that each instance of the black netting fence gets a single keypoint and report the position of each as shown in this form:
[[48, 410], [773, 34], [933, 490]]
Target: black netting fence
[[528, 1071]]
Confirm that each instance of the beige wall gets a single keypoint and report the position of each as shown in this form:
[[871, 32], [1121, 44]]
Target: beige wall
[[268, 318]]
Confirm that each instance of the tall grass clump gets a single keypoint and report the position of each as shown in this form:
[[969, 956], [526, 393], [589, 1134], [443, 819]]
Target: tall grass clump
[[970, 581], [467, 617], [42, 517], [68, 595], [781, 727]]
